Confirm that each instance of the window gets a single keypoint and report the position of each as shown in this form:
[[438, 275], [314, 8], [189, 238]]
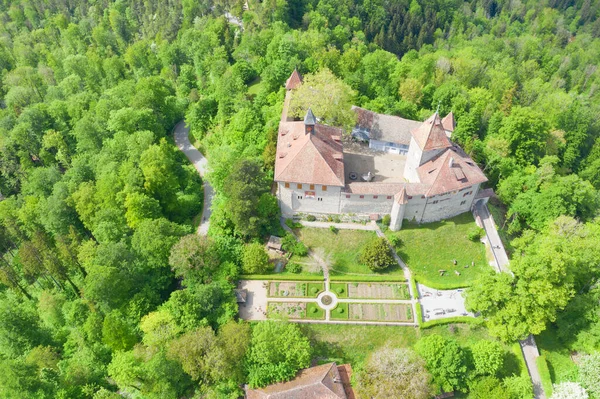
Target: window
[[362, 196], [347, 195], [435, 202], [299, 197], [467, 193], [299, 186], [319, 199], [389, 197], [422, 197], [324, 188], [409, 196], [287, 185], [375, 196], [312, 186], [463, 202]]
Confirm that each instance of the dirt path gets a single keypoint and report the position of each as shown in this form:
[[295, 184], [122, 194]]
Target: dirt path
[[182, 141]]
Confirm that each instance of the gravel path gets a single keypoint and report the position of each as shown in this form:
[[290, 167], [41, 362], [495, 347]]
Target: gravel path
[[182, 141]]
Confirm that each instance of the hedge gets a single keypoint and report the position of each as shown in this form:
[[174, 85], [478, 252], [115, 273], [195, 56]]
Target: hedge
[[452, 320], [279, 277], [441, 286], [367, 279]]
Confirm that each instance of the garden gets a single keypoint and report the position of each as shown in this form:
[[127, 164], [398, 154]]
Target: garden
[[385, 312], [441, 255], [295, 289]]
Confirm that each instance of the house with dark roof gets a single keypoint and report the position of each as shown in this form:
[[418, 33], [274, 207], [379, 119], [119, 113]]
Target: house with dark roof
[[320, 382], [429, 178]]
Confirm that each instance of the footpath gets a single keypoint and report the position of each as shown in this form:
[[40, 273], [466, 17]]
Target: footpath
[[528, 345]]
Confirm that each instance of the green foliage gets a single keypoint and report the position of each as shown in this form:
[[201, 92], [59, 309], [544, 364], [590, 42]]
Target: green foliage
[[488, 357], [333, 229], [377, 255], [311, 218], [589, 369], [277, 351], [387, 219], [488, 387], [255, 259], [445, 360], [475, 234], [293, 267], [117, 333]]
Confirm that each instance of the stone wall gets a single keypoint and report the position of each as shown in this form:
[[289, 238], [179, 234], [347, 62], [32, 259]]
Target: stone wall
[[413, 161], [449, 205], [306, 198], [368, 204]]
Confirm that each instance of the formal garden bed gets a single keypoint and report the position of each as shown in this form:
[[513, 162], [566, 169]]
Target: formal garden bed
[[314, 311], [295, 289], [430, 248], [291, 310], [392, 312], [340, 289], [340, 312], [378, 290]]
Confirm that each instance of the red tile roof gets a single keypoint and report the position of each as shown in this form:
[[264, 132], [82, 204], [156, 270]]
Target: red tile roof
[[449, 172], [401, 197], [448, 122], [294, 80], [320, 382], [431, 134], [309, 158]]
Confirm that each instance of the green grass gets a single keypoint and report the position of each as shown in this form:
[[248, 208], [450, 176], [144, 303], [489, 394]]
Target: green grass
[[344, 343], [558, 358], [335, 313], [340, 289], [314, 311], [342, 250], [314, 289], [431, 247], [542, 366]]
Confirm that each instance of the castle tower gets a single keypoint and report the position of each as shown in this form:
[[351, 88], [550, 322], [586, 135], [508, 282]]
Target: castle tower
[[309, 122], [398, 209], [427, 141]]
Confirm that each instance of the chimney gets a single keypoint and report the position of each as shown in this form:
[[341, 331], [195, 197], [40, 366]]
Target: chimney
[[451, 162], [309, 122]]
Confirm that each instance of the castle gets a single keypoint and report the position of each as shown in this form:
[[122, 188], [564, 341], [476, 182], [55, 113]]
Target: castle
[[409, 169]]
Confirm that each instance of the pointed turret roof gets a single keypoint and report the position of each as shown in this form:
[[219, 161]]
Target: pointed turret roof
[[448, 122], [294, 80], [401, 197], [431, 135], [309, 118]]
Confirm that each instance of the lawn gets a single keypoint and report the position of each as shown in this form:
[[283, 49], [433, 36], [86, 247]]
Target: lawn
[[340, 289], [340, 312], [255, 86], [558, 358], [314, 289], [344, 343], [341, 250], [314, 311], [431, 247]]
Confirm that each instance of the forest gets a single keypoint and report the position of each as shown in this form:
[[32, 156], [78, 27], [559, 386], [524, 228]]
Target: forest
[[104, 287]]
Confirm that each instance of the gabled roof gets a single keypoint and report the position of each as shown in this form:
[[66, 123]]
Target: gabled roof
[[431, 135], [449, 172], [448, 122], [294, 80], [320, 382], [382, 127], [315, 158]]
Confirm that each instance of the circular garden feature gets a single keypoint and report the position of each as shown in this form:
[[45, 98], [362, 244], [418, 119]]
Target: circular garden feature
[[326, 300]]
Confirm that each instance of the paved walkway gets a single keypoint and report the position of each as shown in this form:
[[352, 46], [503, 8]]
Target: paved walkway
[[528, 345], [256, 300], [182, 141]]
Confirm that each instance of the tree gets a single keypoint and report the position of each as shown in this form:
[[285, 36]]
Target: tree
[[377, 255], [589, 370], [518, 387], [394, 373], [488, 387], [154, 238], [234, 338], [194, 258], [568, 390], [139, 207], [329, 98], [445, 360], [200, 355], [255, 259], [488, 357], [117, 333], [277, 351]]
